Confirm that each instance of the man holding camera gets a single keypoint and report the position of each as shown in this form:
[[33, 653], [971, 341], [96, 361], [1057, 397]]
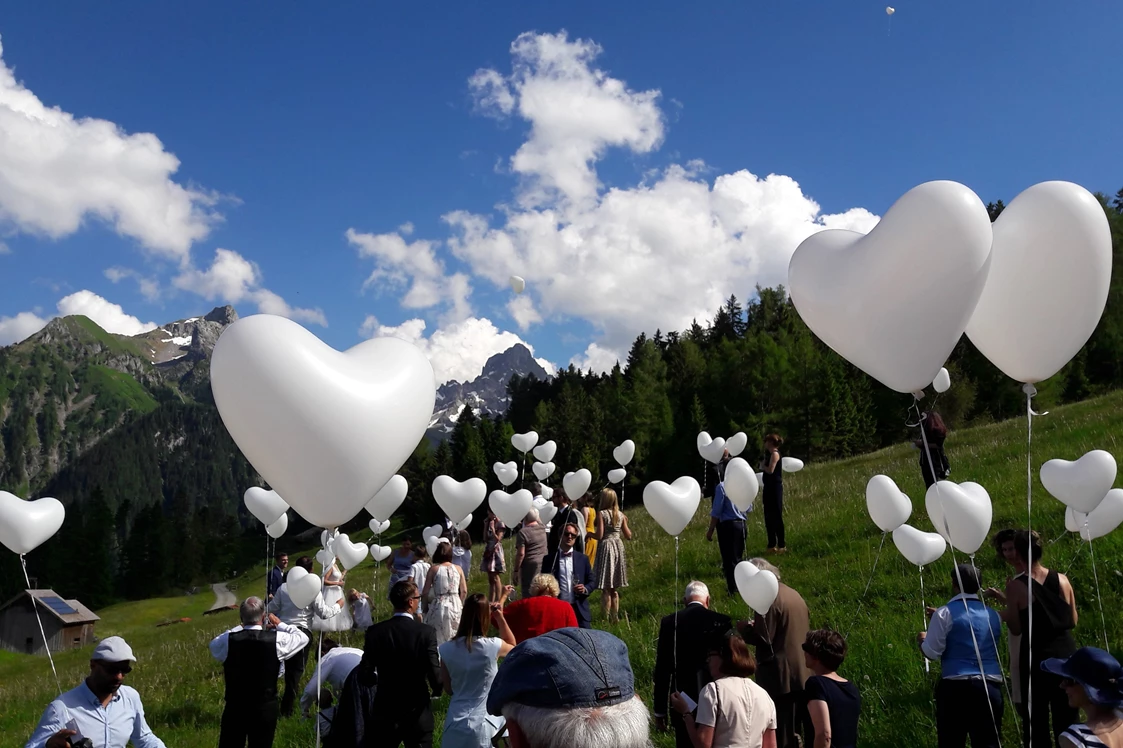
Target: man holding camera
[[102, 712]]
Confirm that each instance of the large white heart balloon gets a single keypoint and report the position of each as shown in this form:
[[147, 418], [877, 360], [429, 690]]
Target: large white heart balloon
[[507, 472], [464, 524], [1049, 276], [942, 382], [457, 499], [380, 552], [325, 557], [302, 586], [388, 498], [888, 506], [349, 554], [432, 531], [624, 453], [791, 464], [736, 444], [672, 506], [576, 484], [542, 470], [25, 525], [278, 528], [758, 588], [895, 302], [1083, 484], [713, 451], [1107, 516], [920, 548], [961, 513], [325, 429], [511, 508], [267, 506], [616, 475], [378, 527], [741, 485], [524, 442], [545, 451]]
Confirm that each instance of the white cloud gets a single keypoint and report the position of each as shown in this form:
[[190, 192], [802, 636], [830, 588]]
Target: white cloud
[[597, 359], [232, 279], [457, 351], [149, 287], [57, 169], [20, 327], [521, 309], [5, 249], [109, 316]]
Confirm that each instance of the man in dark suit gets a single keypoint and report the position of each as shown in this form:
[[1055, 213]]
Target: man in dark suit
[[567, 513], [685, 640], [276, 576], [574, 573], [401, 656]]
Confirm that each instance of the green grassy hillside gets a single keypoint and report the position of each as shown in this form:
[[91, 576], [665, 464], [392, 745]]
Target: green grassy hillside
[[832, 542]]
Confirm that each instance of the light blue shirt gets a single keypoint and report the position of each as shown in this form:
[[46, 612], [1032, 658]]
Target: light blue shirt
[[723, 509], [111, 726]]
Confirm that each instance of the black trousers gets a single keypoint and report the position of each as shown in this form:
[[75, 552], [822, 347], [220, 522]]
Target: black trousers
[[962, 710], [682, 737], [413, 729], [1049, 699], [248, 725], [294, 672], [731, 542], [774, 519], [792, 720]]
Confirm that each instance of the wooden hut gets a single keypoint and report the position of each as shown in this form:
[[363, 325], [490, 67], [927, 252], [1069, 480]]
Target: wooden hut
[[68, 624]]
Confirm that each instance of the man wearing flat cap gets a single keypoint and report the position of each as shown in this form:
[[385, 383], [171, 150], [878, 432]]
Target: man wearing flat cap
[[102, 709], [569, 687]]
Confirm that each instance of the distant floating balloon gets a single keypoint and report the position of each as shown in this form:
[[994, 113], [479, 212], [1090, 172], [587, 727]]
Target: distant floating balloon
[[517, 284], [890, 11]]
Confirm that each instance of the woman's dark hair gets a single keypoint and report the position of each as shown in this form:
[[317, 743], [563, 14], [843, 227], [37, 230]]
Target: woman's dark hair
[[475, 620], [465, 540], [775, 439], [401, 592], [443, 553], [304, 562], [1026, 540], [420, 552], [935, 424], [826, 646], [1001, 538], [736, 659]]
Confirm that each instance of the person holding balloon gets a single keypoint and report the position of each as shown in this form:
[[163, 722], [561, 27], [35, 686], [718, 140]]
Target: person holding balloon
[[772, 466], [935, 433], [729, 523]]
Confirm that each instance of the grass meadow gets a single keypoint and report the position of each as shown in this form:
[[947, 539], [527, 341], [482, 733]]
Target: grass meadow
[[832, 546]]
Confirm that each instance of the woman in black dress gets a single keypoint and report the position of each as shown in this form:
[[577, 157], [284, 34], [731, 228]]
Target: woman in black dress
[[773, 468], [832, 701], [935, 432]]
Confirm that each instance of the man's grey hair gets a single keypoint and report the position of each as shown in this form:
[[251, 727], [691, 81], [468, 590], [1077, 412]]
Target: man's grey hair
[[696, 591], [252, 611], [764, 565], [531, 516], [618, 726]]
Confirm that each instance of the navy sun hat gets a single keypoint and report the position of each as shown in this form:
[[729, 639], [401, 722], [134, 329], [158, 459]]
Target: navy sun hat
[[568, 668], [1096, 670]]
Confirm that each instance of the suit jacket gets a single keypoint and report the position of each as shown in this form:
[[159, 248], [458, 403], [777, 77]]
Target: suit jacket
[[569, 515], [582, 574], [401, 654], [779, 636], [698, 628]]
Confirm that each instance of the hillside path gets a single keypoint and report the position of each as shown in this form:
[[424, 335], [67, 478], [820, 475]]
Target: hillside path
[[223, 598]]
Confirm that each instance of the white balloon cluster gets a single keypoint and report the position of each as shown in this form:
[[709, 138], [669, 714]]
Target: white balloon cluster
[[1094, 508]]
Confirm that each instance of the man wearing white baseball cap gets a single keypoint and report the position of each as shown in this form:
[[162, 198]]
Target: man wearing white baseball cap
[[102, 712]]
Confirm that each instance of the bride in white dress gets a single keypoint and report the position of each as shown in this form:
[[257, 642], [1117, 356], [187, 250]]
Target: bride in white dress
[[333, 592], [446, 582]]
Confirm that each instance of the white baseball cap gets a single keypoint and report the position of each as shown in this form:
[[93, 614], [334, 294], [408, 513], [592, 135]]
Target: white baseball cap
[[113, 649]]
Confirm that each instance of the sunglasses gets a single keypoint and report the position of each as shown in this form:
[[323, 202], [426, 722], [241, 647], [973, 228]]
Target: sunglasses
[[116, 669], [569, 535]]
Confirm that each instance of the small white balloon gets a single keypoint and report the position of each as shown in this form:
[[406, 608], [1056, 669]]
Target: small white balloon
[[736, 444], [1102, 520], [888, 506], [758, 587], [464, 524], [712, 451], [741, 485], [577, 483], [388, 498], [791, 464], [547, 492], [379, 526], [325, 557], [380, 552], [518, 285], [616, 475], [942, 382], [624, 453], [278, 528], [547, 513], [1082, 484], [458, 499], [890, 11], [542, 470], [524, 442], [961, 513], [512, 508], [432, 531], [545, 451], [920, 548], [349, 554], [25, 525]]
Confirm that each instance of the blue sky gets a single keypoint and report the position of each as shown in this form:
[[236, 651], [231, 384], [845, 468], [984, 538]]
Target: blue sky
[[375, 170]]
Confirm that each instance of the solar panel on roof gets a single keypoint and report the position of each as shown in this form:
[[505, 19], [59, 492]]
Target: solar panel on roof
[[58, 605]]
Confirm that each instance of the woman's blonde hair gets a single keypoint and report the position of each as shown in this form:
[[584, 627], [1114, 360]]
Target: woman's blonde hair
[[609, 503], [544, 584]]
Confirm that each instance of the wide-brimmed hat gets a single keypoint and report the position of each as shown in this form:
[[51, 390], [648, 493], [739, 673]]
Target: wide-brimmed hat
[[1096, 670]]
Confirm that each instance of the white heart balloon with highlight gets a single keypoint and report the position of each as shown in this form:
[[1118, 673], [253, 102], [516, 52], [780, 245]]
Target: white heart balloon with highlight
[[714, 451], [302, 586], [736, 444], [791, 464], [278, 528], [267, 506], [511, 508], [942, 382], [380, 552], [1102, 520], [961, 513], [624, 453], [378, 527], [617, 475], [464, 524], [458, 499], [542, 470], [507, 472], [547, 492], [432, 531], [758, 587], [920, 548], [349, 554], [545, 451], [577, 483], [524, 442], [672, 506], [888, 506], [547, 513], [1082, 484], [388, 498], [325, 557], [26, 525], [741, 485]]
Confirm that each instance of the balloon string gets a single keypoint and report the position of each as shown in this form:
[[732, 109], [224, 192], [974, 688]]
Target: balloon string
[[1099, 597], [675, 658], [35, 605], [319, 684], [923, 616], [862, 599], [1030, 391]]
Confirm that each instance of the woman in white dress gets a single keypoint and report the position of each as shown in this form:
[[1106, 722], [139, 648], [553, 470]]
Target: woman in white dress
[[468, 666], [333, 593], [446, 588]]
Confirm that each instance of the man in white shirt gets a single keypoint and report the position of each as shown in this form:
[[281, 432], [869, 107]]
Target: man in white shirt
[[336, 663], [574, 573], [285, 609]]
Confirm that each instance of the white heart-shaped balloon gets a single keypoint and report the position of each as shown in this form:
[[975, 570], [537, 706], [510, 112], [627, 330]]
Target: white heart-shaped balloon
[[961, 513], [577, 483], [379, 527], [431, 545], [464, 524], [920, 548], [539, 502], [1107, 516], [791, 464], [713, 451], [457, 499], [1050, 271], [542, 470], [267, 506], [547, 492], [545, 451], [1083, 484], [326, 429], [507, 472], [278, 528], [25, 525], [672, 506], [703, 439], [616, 475], [517, 284], [547, 513], [524, 442], [349, 554], [624, 453], [942, 382], [736, 444], [511, 508], [326, 536], [325, 557], [388, 498], [380, 552], [896, 301], [432, 531], [302, 586], [741, 485], [888, 506], [758, 588]]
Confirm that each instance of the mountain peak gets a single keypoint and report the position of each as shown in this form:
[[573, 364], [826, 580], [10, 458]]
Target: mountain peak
[[516, 359]]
